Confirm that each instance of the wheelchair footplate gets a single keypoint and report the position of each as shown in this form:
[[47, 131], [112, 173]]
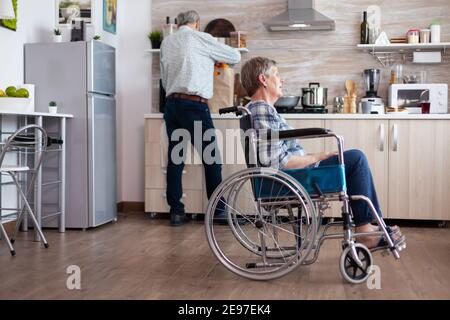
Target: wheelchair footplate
[[399, 245]]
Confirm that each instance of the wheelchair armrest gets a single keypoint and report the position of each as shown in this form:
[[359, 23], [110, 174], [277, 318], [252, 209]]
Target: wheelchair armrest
[[298, 133]]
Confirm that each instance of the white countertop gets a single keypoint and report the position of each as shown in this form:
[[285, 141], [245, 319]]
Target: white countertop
[[341, 116], [37, 114]]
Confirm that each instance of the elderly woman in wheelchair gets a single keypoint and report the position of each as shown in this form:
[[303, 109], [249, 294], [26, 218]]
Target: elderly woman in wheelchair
[[284, 192]]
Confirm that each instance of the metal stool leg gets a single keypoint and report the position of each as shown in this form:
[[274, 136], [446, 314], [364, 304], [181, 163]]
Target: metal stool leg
[[30, 212], [18, 223], [22, 214], [5, 235]]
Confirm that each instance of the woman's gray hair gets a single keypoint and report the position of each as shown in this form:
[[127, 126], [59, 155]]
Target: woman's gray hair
[[252, 69], [187, 17]]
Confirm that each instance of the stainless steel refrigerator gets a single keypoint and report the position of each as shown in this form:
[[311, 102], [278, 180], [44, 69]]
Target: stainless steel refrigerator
[[80, 77]]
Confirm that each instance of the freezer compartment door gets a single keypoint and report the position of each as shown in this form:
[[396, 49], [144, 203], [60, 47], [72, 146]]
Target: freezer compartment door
[[102, 159], [101, 69]]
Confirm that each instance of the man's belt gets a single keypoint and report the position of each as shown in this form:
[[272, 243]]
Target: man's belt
[[188, 97]]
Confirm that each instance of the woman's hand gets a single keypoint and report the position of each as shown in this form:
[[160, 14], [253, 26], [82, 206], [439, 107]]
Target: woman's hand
[[297, 162], [325, 155]]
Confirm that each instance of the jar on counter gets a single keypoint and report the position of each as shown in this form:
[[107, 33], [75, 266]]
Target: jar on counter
[[396, 74], [425, 35], [238, 39], [413, 36]]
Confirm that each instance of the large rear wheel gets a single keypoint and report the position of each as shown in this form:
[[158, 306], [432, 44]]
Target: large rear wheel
[[271, 223]]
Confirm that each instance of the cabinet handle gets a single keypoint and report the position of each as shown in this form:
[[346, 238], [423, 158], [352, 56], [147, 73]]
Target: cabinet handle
[[382, 137], [394, 138]]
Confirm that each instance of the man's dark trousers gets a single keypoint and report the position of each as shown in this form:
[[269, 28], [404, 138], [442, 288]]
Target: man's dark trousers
[[182, 114]]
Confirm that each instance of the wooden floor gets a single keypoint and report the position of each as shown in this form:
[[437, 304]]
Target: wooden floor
[[141, 258]]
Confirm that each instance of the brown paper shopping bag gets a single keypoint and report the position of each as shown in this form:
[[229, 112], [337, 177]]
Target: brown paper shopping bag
[[223, 93]]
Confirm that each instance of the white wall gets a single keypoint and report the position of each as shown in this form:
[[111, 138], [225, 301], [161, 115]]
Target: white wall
[[35, 24], [133, 94]]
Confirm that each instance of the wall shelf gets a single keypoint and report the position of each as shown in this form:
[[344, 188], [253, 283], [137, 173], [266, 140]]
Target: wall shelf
[[384, 53], [404, 47], [241, 50]]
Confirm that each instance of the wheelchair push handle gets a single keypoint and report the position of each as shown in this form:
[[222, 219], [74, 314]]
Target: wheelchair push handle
[[230, 110]]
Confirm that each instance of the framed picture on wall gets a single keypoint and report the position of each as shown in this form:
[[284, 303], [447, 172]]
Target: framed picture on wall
[[10, 23], [110, 16], [73, 10]]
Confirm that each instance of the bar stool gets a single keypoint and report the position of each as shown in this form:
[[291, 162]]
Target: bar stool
[[29, 140]]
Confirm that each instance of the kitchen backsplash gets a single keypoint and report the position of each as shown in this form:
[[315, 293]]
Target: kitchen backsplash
[[327, 57]]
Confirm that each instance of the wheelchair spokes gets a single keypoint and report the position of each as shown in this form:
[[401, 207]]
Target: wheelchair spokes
[[270, 235]]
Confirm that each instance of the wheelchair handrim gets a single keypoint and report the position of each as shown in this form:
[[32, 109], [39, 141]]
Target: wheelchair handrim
[[290, 183]]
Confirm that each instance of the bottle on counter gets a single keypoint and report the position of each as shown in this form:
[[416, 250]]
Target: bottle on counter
[[168, 28], [365, 32]]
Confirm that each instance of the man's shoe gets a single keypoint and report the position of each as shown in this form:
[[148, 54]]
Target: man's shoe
[[178, 219], [220, 218]]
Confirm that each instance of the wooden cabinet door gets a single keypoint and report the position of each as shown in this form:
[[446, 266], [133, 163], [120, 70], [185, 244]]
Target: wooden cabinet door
[[228, 137], [419, 169], [156, 145], [371, 137], [231, 152], [310, 145], [156, 201]]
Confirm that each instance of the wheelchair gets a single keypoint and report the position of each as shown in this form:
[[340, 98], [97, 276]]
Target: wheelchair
[[275, 216]]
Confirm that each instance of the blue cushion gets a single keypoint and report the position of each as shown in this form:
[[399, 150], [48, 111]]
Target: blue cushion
[[329, 179]]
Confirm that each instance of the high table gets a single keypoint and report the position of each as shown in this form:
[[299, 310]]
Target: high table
[[12, 121]]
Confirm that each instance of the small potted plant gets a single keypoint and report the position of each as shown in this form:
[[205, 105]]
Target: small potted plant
[[155, 38], [57, 36], [52, 107], [96, 37]]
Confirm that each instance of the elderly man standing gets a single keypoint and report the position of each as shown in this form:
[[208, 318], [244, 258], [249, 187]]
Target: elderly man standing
[[187, 66]]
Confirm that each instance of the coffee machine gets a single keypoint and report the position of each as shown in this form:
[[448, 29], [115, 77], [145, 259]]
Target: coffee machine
[[77, 33], [371, 79]]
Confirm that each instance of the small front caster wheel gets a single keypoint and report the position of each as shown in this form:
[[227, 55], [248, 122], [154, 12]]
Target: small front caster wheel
[[350, 270]]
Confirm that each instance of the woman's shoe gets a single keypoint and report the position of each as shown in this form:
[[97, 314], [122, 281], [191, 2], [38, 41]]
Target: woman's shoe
[[383, 244]]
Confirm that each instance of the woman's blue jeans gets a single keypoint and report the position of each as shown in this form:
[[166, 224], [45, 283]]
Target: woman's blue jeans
[[359, 182]]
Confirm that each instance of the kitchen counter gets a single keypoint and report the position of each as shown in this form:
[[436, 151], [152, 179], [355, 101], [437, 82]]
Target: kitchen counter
[[37, 114], [330, 116]]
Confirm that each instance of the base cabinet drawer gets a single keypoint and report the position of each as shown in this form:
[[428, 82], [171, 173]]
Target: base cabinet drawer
[[156, 177], [156, 201]]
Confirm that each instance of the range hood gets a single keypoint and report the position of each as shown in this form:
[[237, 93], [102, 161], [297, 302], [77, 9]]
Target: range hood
[[300, 16]]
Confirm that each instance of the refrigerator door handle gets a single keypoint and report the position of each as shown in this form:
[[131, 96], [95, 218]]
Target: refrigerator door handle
[[91, 158]]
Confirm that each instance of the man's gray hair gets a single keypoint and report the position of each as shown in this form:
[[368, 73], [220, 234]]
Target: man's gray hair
[[187, 17]]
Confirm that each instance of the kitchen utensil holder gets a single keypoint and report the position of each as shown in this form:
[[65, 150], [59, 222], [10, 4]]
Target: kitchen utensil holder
[[350, 104]]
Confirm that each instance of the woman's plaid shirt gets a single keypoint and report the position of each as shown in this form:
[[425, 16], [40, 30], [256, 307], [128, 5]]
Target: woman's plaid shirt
[[274, 154]]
